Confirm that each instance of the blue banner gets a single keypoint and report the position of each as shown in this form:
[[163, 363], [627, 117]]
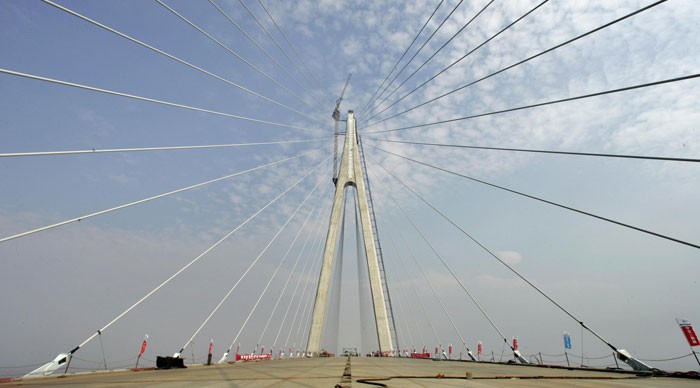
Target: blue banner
[[567, 341]]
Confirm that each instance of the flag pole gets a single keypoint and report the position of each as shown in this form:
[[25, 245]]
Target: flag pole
[[567, 345], [143, 349], [211, 348], [690, 336]]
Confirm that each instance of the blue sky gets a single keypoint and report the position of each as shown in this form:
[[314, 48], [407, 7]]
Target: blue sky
[[59, 286]]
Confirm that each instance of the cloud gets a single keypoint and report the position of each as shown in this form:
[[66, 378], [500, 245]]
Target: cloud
[[510, 257], [99, 125], [580, 261]]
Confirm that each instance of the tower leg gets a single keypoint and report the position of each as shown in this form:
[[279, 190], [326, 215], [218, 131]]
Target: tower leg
[[375, 281], [313, 346], [350, 174]]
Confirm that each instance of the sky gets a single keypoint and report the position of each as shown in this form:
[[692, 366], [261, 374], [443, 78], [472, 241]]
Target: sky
[[61, 285]]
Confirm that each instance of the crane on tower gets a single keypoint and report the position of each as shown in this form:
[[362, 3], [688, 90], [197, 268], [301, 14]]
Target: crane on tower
[[336, 117]]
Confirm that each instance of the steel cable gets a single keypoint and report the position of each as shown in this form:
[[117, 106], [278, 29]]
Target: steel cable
[[546, 201], [175, 58], [267, 54], [622, 156], [461, 58], [402, 56], [524, 60], [279, 266], [374, 106], [232, 52], [140, 201], [551, 102], [431, 57], [170, 148], [193, 261], [140, 98]]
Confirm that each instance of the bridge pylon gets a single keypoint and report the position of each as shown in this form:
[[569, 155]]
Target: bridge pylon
[[350, 174]]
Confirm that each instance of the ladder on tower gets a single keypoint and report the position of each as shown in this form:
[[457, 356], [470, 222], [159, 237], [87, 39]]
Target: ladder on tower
[[380, 256], [336, 118]]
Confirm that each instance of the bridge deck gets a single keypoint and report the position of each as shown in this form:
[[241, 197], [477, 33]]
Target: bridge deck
[[328, 372]]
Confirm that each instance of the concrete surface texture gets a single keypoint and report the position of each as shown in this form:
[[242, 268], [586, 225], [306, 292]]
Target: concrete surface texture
[[350, 174], [358, 372]]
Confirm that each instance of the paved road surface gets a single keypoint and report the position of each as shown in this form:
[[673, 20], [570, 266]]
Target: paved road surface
[[332, 372]]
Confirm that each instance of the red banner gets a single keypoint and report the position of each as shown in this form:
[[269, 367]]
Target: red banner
[[420, 355], [143, 348], [515, 343], [253, 357], [450, 349], [479, 348], [689, 333], [211, 346]]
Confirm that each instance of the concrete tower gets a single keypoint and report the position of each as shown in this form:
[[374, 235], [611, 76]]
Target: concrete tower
[[350, 174]]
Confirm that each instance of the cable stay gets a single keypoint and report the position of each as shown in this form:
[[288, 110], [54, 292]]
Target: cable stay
[[377, 241], [269, 35], [545, 201], [323, 195], [140, 98], [623, 156], [251, 266], [301, 59], [552, 102], [296, 262], [432, 56], [477, 304], [303, 300], [304, 321], [468, 53], [364, 288], [404, 328], [621, 353], [142, 149], [254, 261], [374, 105], [303, 274], [332, 318], [221, 302], [523, 61], [401, 58], [140, 201], [435, 252], [432, 289], [336, 118], [232, 52], [267, 286], [403, 265], [59, 360], [177, 59], [267, 54], [378, 99], [403, 325]]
